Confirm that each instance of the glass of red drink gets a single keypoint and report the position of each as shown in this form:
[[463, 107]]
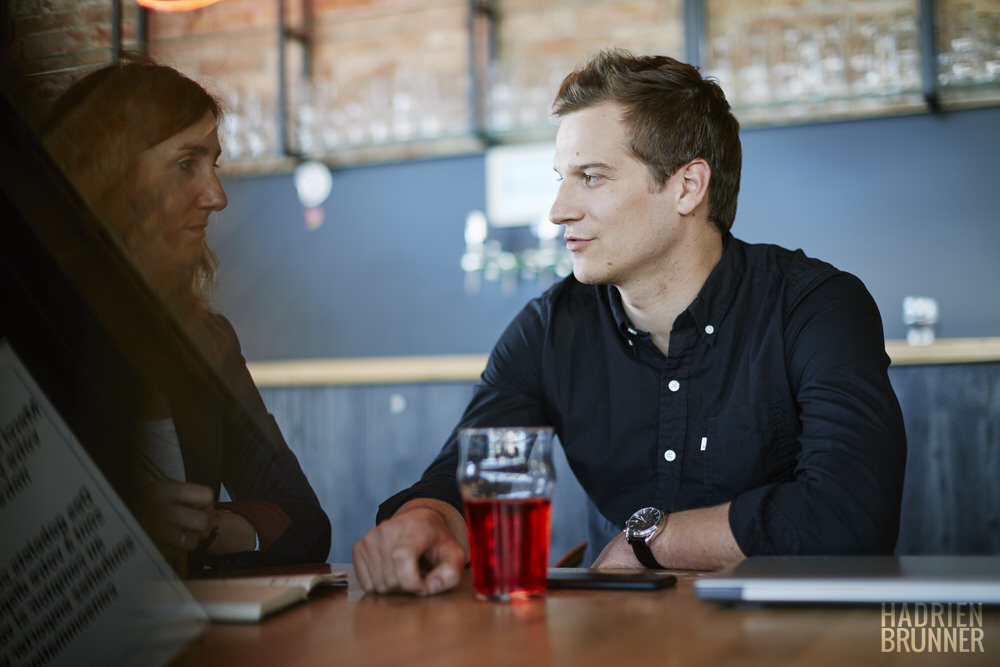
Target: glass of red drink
[[506, 477]]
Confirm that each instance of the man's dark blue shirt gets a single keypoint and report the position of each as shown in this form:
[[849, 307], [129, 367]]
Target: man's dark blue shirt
[[774, 395]]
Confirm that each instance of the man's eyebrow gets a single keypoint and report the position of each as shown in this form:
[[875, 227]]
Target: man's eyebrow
[[587, 166]]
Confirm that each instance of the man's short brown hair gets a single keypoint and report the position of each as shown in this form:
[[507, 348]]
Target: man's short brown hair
[[673, 116]]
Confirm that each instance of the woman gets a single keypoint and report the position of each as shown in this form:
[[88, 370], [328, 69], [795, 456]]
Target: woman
[[140, 143]]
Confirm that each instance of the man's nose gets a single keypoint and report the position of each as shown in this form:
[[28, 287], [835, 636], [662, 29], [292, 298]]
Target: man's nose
[[563, 209]]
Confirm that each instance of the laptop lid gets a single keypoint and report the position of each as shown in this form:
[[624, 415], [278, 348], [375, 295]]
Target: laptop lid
[[856, 579]]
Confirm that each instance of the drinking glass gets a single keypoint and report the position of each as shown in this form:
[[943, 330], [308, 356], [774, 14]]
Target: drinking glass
[[506, 477]]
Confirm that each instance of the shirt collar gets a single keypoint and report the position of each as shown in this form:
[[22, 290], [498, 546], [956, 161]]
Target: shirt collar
[[625, 327], [709, 308], [712, 303]]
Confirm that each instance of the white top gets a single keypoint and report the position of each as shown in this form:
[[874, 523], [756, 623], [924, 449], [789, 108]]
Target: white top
[[163, 448]]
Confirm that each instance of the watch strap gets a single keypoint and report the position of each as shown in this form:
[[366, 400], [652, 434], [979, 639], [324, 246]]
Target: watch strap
[[644, 554]]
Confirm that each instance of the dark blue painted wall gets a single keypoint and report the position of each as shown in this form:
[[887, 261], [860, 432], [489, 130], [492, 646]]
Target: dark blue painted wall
[[910, 204]]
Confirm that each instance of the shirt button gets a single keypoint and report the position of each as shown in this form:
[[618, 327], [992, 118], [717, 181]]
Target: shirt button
[[674, 385], [632, 331], [669, 455], [710, 329]]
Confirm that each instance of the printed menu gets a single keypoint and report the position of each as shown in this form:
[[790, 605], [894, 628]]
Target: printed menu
[[80, 582]]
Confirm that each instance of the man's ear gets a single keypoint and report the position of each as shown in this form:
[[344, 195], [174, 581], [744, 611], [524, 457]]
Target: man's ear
[[694, 177]]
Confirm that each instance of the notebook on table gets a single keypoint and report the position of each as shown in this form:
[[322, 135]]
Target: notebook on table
[[250, 599], [856, 580]]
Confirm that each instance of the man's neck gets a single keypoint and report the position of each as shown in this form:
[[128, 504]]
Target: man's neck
[[653, 302]]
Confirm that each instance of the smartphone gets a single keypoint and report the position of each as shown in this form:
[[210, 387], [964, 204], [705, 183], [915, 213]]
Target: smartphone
[[585, 577]]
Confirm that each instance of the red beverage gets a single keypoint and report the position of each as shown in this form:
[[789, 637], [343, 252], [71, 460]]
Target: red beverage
[[509, 545]]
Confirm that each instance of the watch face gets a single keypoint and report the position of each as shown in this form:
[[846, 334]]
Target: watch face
[[643, 522]]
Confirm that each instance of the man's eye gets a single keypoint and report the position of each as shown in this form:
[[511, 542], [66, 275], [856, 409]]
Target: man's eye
[[591, 178], [186, 165]]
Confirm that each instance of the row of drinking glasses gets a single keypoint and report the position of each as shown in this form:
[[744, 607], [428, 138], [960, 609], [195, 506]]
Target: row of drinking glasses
[[845, 59]]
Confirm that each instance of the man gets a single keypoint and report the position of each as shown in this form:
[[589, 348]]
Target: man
[[725, 399]]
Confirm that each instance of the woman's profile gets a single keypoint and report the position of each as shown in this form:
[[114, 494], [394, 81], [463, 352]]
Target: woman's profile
[[140, 143]]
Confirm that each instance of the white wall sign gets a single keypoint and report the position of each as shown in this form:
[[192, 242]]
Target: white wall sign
[[520, 184]]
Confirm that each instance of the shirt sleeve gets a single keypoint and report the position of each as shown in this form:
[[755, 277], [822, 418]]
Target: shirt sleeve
[[507, 394], [268, 519], [844, 497], [265, 479]]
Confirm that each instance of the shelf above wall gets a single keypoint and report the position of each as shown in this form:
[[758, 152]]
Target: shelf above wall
[[380, 82], [467, 368], [779, 64]]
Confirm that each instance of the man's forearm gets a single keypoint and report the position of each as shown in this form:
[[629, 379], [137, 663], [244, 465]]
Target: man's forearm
[[698, 539]]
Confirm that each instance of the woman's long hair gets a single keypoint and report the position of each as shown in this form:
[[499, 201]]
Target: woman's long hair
[[95, 132]]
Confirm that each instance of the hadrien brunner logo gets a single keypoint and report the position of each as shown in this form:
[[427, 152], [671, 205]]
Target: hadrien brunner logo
[[937, 627]]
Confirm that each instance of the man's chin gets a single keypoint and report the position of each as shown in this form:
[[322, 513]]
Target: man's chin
[[586, 277]]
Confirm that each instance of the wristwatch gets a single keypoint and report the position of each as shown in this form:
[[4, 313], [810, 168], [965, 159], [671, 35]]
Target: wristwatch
[[640, 529]]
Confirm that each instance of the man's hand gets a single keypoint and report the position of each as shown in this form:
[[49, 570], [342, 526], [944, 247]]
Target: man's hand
[[421, 549]]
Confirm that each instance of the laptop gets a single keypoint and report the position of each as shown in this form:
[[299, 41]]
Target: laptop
[[855, 580]]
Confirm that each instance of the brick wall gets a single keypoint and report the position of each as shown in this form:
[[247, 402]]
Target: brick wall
[[383, 71], [49, 43], [391, 78]]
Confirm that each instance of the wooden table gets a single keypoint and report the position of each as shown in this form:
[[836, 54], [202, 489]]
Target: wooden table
[[669, 627]]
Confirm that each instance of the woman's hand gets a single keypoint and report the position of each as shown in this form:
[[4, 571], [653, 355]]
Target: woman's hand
[[235, 534], [178, 516]]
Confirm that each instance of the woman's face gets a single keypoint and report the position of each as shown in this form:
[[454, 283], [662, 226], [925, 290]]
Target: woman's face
[[176, 189]]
